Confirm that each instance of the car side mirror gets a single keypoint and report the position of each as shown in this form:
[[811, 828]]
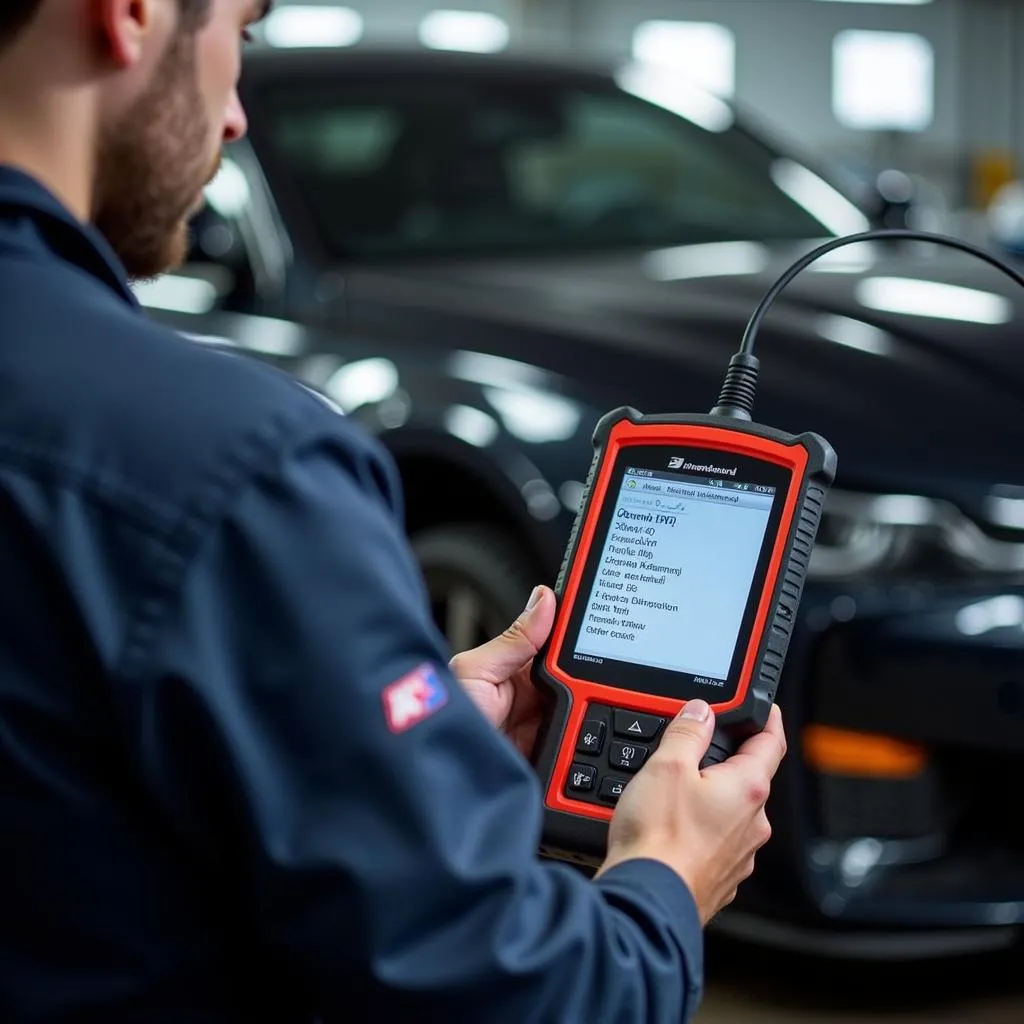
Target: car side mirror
[[900, 200], [893, 199]]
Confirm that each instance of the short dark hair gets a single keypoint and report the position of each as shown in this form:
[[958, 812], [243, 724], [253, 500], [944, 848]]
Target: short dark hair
[[15, 15]]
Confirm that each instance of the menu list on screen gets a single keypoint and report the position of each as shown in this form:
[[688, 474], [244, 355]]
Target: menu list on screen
[[674, 577]]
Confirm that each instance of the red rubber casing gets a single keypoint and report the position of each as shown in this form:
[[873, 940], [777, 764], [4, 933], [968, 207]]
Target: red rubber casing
[[576, 829]]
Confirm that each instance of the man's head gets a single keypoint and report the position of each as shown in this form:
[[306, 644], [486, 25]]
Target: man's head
[[162, 76]]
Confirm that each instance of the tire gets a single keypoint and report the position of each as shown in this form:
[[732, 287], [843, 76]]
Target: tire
[[478, 579]]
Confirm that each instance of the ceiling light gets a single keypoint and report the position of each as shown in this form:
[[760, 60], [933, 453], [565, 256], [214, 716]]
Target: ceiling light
[[883, 81], [300, 26], [470, 31], [703, 52]]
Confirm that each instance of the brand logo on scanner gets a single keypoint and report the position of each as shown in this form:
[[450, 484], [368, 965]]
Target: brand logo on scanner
[[680, 462]]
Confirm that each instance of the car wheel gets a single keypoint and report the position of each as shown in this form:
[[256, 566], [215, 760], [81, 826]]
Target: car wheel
[[477, 578]]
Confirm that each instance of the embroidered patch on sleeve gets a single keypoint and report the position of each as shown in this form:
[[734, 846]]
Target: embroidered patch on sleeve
[[413, 697]]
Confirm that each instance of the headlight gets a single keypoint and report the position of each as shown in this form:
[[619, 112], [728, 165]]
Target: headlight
[[875, 533]]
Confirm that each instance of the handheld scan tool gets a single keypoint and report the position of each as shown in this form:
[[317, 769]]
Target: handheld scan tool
[[682, 579]]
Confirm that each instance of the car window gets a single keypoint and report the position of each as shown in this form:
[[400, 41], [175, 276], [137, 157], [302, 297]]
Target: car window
[[419, 168]]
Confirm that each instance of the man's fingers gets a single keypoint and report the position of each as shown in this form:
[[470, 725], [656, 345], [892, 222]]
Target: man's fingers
[[688, 735], [775, 726], [499, 658], [768, 747]]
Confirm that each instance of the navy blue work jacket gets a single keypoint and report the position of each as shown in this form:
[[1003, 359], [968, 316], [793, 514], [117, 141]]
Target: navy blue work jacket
[[238, 783]]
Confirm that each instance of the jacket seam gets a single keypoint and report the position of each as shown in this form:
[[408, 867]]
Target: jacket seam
[[132, 506], [183, 541]]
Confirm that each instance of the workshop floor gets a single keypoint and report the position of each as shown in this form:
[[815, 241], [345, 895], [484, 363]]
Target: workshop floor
[[753, 987]]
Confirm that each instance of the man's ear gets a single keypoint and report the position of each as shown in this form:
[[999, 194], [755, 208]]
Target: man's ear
[[123, 26]]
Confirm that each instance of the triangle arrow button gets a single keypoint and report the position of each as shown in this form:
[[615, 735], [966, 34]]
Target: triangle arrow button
[[635, 725]]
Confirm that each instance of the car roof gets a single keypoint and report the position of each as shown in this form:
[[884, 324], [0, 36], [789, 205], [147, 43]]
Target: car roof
[[270, 62]]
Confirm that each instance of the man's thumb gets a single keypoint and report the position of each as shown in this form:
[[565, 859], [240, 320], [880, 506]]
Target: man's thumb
[[530, 630], [689, 734], [497, 659]]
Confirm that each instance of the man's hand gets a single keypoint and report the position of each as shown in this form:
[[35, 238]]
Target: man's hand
[[705, 824], [496, 675]]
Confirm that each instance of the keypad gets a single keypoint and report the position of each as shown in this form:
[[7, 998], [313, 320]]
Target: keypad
[[612, 744]]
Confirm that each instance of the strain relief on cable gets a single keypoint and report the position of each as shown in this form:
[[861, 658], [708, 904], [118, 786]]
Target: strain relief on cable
[[736, 398]]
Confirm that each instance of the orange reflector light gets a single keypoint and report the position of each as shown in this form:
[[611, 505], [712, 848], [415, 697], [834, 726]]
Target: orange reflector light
[[842, 752]]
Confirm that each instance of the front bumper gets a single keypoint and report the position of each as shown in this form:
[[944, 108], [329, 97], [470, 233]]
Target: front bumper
[[926, 865]]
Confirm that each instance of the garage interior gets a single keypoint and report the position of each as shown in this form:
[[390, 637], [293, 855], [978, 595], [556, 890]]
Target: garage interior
[[916, 108]]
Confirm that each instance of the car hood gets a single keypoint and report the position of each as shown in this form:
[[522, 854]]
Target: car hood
[[903, 356]]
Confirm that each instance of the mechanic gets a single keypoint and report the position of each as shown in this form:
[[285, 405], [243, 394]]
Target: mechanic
[[240, 779]]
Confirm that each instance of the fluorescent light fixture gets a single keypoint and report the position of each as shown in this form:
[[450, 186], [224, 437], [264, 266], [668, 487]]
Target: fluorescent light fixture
[[934, 300], [674, 93], [863, 3], [703, 52], [818, 198], [714, 259], [177, 294], [883, 80], [470, 31], [302, 26]]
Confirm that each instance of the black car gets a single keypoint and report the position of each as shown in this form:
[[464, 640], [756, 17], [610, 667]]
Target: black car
[[479, 256]]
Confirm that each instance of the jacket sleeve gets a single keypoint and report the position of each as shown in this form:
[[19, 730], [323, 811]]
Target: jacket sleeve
[[382, 837]]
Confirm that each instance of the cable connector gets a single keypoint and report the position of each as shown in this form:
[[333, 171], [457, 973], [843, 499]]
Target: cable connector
[[736, 399]]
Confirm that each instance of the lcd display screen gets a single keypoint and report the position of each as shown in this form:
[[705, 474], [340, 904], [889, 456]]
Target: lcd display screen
[[678, 562]]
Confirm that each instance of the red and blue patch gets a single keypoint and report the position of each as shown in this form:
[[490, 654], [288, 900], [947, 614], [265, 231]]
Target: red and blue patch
[[417, 695]]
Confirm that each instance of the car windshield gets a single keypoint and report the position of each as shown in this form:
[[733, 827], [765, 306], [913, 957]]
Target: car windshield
[[418, 166]]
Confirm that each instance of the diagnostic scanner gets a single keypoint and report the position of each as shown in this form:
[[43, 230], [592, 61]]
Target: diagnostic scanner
[[681, 580]]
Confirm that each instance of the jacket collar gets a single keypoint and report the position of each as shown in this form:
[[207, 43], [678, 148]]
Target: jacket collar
[[65, 235]]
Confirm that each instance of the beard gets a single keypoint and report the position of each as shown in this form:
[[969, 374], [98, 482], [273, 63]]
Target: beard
[[152, 165]]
